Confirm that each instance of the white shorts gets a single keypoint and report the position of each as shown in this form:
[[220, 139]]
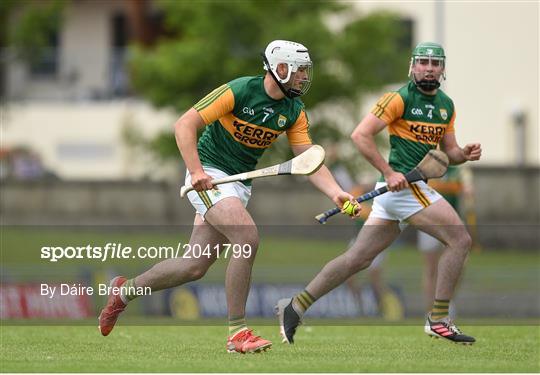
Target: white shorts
[[202, 201], [403, 204]]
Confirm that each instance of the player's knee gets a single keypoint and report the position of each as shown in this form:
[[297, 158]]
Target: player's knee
[[250, 245], [253, 243], [357, 263], [464, 241], [247, 238], [461, 243], [196, 271]]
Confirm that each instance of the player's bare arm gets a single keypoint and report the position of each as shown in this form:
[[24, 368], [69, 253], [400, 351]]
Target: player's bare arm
[[325, 182], [458, 155], [364, 139], [185, 131]]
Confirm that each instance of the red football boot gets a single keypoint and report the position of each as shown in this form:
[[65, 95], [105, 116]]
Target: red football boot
[[245, 342], [113, 308]]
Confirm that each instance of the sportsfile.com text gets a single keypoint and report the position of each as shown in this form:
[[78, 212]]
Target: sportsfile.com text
[[114, 250]]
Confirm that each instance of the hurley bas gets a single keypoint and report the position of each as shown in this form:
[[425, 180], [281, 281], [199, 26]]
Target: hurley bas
[[80, 290]]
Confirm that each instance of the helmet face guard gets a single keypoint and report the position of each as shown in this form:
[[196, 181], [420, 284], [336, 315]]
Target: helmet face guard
[[299, 66], [434, 54]]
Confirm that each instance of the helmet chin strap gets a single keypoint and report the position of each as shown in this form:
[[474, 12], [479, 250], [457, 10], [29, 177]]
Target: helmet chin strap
[[290, 93]]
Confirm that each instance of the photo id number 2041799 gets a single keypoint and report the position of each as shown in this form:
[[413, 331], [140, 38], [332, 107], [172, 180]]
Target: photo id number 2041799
[[226, 250]]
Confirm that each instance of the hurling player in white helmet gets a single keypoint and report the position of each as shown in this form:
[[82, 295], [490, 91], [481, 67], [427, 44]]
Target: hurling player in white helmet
[[246, 116], [419, 117]]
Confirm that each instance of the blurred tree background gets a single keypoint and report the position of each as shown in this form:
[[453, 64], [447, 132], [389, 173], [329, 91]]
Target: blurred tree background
[[28, 38], [209, 43]]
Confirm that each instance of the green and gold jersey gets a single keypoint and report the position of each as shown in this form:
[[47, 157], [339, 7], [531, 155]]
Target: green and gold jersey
[[416, 123], [243, 121]]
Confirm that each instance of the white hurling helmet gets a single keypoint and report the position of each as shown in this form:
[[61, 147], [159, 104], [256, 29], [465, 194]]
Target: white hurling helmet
[[296, 56]]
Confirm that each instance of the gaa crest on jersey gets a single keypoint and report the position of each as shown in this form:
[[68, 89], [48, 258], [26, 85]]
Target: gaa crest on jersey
[[282, 121], [444, 114]]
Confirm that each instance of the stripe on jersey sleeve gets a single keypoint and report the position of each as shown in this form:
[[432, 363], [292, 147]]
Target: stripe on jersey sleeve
[[216, 104], [389, 108]]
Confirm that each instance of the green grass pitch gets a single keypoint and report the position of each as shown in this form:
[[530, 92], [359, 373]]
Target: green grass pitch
[[366, 348], [158, 345]]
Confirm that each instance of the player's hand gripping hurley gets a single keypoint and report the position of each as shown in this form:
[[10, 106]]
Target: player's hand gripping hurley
[[308, 162], [433, 165]]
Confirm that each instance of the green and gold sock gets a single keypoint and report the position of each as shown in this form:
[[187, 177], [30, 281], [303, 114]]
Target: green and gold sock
[[236, 324], [301, 302], [129, 293], [440, 309]]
